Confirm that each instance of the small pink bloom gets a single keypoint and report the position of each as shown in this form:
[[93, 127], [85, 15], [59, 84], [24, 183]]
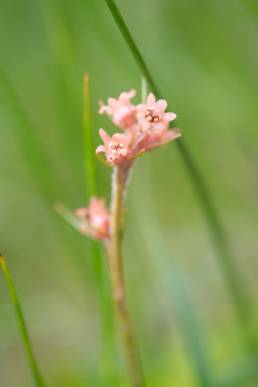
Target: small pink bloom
[[152, 115], [117, 148], [95, 220], [147, 128], [150, 140], [121, 110]]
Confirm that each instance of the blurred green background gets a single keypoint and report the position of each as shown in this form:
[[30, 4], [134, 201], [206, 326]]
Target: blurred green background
[[204, 57]]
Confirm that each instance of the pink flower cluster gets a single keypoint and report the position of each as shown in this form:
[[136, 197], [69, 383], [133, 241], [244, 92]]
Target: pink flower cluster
[[95, 220], [145, 126]]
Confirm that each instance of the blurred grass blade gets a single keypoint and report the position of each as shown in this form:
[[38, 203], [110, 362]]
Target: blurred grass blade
[[29, 141], [144, 89], [218, 235], [68, 215], [242, 372], [37, 160], [89, 151], [192, 332], [252, 6], [22, 324], [90, 169], [97, 256], [132, 45], [219, 238], [172, 284]]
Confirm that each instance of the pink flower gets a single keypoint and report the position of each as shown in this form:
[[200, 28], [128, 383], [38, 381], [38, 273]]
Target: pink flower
[[95, 220], [150, 140], [117, 148], [152, 116], [147, 127], [121, 110]]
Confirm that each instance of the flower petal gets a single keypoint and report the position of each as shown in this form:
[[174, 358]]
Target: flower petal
[[150, 99], [127, 95], [104, 136], [104, 109], [169, 116], [123, 152], [170, 135], [162, 104], [100, 148], [112, 102], [81, 212]]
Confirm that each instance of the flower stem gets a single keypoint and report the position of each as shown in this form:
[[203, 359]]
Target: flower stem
[[22, 324], [120, 175]]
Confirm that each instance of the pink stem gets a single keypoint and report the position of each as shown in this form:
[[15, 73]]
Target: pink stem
[[120, 175]]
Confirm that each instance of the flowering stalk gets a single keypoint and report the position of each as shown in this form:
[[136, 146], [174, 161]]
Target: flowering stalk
[[207, 204], [145, 127], [22, 324], [114, 249]]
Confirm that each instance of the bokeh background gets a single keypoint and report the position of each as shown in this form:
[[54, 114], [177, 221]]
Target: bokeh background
[[204, 57]]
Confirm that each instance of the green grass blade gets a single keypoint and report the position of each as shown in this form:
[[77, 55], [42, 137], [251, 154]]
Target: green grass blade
[[172, 284], [90, 169], [132, 45], [241, 372], [89, 153], [98, 258], [22, 324], [190, 327], [37, 160], [252, 6], [219, 237], [68, 215], [28, 139]]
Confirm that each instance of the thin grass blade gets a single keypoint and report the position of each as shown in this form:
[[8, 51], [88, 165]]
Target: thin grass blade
[[241, 372], [173, 285], [224, 254], [252, 6], [68, 215], [90, 170], [34, 154], [28, 139], [38, 380], [98, 258], [89, 153]]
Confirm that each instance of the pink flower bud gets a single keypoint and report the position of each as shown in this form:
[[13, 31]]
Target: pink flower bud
[[121, 110], [95, 219]]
